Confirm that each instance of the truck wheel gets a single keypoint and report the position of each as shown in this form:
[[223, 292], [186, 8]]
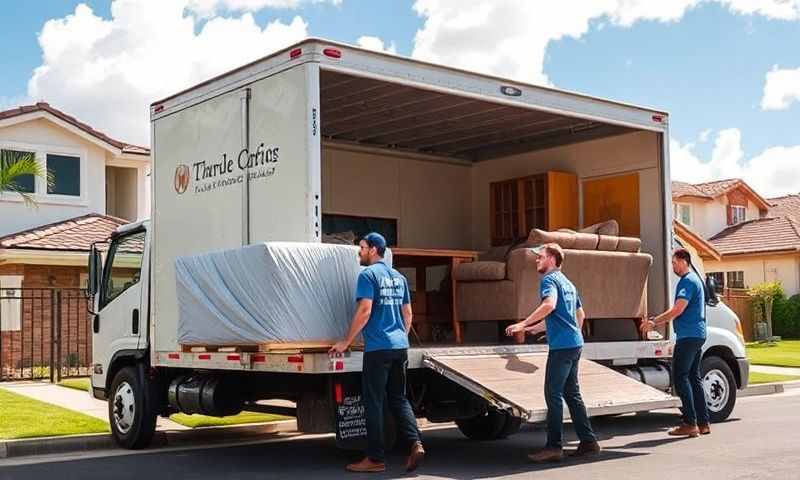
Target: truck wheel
[[130, 410], [488, 426], [511, 427], [719, 386]]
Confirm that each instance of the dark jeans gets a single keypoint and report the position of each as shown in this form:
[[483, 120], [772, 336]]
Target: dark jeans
[[384, 378], [561, 384], [686, 359]]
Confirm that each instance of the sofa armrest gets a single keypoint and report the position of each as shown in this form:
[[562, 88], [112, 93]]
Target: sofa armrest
[[521, 269]]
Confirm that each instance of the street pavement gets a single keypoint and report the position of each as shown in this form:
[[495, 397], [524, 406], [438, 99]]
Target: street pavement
[[759, 441]]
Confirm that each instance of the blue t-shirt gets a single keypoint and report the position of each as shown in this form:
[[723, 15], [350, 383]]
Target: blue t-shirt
[[692, 322], [388, 290], [562, 324]]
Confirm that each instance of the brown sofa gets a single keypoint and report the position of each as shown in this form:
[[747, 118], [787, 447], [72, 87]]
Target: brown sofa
[[609, 272]]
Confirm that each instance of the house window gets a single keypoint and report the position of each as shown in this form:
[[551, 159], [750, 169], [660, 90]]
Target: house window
[[735, 279], [24, 183], [10, 303], [738, 214], [683, 213], [719, 280], [66, 172]]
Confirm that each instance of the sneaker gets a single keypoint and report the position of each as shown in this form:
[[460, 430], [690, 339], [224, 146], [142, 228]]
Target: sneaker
[[367, 466], [586, 449], [415, 456], [547, 455], [704, 428], [684, 430]]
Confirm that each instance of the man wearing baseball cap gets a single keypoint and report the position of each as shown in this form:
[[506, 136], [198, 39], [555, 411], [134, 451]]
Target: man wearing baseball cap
[[384, 314], [563, 318]]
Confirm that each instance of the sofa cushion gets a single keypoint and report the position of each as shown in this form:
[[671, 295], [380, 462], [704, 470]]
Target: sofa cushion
[[481, 271], [629, 244], [607, 243], [495, 254], [609, 227], [540, 237], [585, 241]]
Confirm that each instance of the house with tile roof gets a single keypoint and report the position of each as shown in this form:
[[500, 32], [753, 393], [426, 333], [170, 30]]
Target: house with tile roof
[[99, 183], [756, 239]]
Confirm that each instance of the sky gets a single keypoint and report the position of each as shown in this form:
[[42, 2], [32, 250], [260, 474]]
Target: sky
[[728, 71]]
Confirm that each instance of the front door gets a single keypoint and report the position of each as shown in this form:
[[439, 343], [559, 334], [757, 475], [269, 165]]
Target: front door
[[119, 322]]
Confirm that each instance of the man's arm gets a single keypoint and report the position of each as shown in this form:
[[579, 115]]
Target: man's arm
[[580, 316], [666, 317], [408, 316], [360, 319], [542, 311]]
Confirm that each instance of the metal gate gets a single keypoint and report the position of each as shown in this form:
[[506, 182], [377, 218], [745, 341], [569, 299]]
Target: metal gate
[[45, 333]]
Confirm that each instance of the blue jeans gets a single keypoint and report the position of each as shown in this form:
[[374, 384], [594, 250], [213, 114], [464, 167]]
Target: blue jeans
[[561, 385], [686, 359], [384, 378]]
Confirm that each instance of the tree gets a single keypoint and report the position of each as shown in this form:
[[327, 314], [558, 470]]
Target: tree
[[14, 166], [764, 295]]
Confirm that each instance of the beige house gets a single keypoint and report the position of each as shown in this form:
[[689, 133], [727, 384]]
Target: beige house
[[99, 183], [757, 239]]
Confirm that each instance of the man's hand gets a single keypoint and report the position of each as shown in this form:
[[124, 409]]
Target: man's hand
[[515, 328], [536, 329], [646, 326], [339, 347]]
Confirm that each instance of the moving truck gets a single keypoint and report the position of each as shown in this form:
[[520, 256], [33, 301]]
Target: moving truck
[[323, 137]]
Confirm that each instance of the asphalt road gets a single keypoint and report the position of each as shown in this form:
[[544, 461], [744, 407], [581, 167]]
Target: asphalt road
[[761, 440]]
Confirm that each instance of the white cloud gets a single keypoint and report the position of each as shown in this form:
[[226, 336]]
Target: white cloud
[[776, 9], [782, 87], [209, 8], [771, 173], [509, 38], [107, 72], [375, 43]]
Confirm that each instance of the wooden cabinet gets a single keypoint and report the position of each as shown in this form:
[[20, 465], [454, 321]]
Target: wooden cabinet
[[548, 201]]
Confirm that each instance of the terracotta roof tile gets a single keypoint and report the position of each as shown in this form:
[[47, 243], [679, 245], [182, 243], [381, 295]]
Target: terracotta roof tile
[[772, 234], [683, 189], [74, 234], [45, 107], [786, 206]]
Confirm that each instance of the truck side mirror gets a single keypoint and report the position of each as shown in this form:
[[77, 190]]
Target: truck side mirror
[[711, 291], [95, 267]]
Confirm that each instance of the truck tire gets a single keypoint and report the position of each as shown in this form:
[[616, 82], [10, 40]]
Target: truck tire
[[719, 386], [131, 412], [511, 427], [488, 426]]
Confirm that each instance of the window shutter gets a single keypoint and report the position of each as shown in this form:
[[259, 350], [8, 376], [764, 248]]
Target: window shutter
[[730, 214]]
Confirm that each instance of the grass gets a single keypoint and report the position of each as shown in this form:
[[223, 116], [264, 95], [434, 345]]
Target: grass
[[757, 377], [785, 353], [76, 383], [24, 417], [193, 421]]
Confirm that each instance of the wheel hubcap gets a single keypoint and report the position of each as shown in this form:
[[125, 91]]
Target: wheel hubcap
[[715, 385], [124, 407]]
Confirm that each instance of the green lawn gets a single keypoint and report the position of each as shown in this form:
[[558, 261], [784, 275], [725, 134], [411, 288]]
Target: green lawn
[[24, 417], [193, 421], [757, 377], [785, 353], [76, 383]]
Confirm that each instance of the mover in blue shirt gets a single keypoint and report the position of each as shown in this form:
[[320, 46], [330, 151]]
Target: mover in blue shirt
[[688, 315], [563, 317], [384, 315]]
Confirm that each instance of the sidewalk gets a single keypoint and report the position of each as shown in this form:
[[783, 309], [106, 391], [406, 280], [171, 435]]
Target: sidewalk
[[775, 370], [76, 400]]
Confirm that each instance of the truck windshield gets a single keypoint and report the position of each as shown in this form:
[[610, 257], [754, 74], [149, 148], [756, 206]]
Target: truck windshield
[[123, 266]]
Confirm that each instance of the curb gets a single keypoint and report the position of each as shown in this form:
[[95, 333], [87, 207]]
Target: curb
[[104, 441], [762, 389]]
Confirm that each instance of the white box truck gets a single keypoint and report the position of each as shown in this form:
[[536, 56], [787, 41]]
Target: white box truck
[[320, 130]]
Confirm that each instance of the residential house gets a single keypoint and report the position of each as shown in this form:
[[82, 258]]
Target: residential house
[[99, 183], [757, 239]]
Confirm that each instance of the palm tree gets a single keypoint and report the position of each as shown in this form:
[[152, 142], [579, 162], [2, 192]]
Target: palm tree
[[15, 165]]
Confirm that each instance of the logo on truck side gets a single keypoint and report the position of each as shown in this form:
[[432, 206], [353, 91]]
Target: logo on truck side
[[181, 180]]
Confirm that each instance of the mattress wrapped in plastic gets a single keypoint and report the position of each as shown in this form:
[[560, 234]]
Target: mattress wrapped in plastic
[[264, 293]]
